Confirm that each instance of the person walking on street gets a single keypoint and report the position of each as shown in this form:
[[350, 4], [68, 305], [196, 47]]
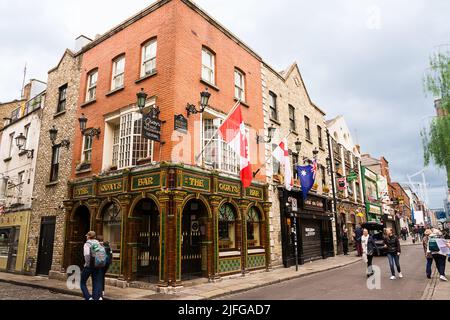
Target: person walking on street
[[358, 235], [392, 246], [438, 256], [345, 241], [368, 247], [421, 232], [89, 269], [404, 233], [428, 254], [104, 270]]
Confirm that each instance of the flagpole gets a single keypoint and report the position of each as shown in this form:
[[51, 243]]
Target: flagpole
[[217, 131], [271, 154]]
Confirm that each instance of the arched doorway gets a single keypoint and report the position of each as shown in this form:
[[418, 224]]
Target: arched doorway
[[148, 240], [194, 247], [80, 227]]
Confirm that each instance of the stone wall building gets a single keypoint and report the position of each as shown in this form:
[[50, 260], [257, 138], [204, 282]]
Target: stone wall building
[[289, 109], [53, 166]]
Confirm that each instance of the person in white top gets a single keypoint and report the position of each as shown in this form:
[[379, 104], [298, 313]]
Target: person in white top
[[368, 249]]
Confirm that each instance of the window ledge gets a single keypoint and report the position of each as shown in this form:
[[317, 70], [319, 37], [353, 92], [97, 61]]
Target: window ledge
[[294, 132], [242, 102], [83, 171], [88, 103], [322, 148], [209, 84], [275, 121], [308, 140], [83, 168], [7, 159], [252, 251], [229, 253], [60, 113], [147, 76], [51, 184], [115, 91]]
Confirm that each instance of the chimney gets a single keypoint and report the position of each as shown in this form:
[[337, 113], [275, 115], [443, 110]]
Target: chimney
[[26, 91], [80, 42], [358, 147]]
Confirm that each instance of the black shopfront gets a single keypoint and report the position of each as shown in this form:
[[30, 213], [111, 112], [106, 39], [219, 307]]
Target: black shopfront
[[313, 227]]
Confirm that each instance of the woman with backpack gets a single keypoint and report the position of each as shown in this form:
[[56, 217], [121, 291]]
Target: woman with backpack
[[108, 261], [368, 247], [392, 246], [438, 256]]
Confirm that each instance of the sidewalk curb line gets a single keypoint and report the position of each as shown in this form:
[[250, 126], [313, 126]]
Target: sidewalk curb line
[[279, 281], [44, 287]]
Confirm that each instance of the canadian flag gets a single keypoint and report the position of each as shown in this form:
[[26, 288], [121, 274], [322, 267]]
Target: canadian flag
[[233, 132], [281, 153]]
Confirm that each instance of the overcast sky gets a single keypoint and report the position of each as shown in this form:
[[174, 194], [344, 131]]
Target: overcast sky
[[364, 59]]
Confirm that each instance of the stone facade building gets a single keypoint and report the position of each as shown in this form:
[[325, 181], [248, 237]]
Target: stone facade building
[[53, 166], [288, 108], [346, 164]]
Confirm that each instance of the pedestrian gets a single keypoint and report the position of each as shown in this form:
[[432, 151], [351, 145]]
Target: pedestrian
[[428, 254], [358, 235], [393, 250], [438, 256], [421, 232], [403, 232], [104, 270], [89, 269], [345, 241], [368, 247]]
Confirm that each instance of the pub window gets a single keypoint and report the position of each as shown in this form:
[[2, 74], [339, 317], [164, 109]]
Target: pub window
[[253, 228], [118, 73], [4, 242], [307, 129], [319, 132], [149, 58], [227, 227], [92, 85], [87, 149], [273, 105], [239, 85], [292, 118], [208, 66], [128, 146], [218, 154], [112, 222], [54, 170], [62, 98]]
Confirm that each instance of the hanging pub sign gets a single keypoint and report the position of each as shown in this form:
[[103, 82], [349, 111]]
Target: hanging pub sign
[[180, 123], [151, 127], [342, 184], [352, 176]]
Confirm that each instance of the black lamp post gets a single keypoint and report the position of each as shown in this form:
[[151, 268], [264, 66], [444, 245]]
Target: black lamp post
[[204, 100], [54, 134], [141, 99], [270, 134], [298, 146], [83, 125], [20, 142]]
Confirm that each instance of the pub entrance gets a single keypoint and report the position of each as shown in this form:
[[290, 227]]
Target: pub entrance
[[194, 240], [148, 239], [311, 239], [80, 227]]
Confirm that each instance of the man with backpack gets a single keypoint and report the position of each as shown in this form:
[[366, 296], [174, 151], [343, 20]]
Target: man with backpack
[[108, 262], [438, 256], [94, 260]]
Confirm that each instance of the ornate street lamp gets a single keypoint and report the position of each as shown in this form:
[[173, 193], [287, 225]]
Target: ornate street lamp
[[298, 146], [83, 125], [270, 134], [204, 100], [141, 99], [54, 134], [20, 142]]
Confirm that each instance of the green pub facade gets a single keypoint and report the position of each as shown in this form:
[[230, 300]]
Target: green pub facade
[[169, 223]]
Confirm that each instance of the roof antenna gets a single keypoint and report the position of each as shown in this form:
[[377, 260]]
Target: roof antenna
[[23, 82]]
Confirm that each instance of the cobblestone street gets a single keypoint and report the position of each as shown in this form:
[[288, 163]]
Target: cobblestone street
[[14, 292]]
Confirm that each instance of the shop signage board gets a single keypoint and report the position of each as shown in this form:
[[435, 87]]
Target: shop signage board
[[83, 191], [253, 192], [196, 182], [110, 186], [229, 188], [180, 123], [151, 128], [146, 181]]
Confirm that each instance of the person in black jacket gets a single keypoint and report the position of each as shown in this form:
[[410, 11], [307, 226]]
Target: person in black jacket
[[392, 246], [345, 241], [358, 234], [369, 247]]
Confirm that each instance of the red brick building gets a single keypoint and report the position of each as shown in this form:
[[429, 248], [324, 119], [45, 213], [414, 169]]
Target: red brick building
[[167, 216]]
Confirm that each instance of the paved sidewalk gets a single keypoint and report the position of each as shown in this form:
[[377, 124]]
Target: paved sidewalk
[[194, 290]]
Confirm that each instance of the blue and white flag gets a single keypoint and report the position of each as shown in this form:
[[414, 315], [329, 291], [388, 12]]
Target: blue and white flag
[[307, 175]]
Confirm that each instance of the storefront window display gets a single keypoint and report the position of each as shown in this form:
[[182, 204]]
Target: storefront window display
[[227, 227], [112, 221], [253, 228]]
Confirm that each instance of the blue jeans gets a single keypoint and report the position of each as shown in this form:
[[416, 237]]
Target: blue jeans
[[394, 258], [429, 264], [96, 283]]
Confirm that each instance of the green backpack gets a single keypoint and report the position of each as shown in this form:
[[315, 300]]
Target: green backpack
[[433, 245]]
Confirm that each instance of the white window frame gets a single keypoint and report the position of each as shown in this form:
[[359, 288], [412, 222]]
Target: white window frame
[[11, 144], [151, 45], [84, 150], [118, 74], [91, 86], [239, 85], [208, 67], [26, 133]]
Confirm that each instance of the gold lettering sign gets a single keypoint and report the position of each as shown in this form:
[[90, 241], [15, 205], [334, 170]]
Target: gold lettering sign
[[143, 182], [229, 188], [82, 191], [197, 182], [254, 193], [111, 187], [146, 181], [194, 182]]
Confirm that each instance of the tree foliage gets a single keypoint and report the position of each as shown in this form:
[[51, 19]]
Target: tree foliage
[[436, 139]]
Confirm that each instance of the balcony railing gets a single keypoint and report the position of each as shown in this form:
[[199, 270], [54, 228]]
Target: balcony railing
[[33, 104]]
